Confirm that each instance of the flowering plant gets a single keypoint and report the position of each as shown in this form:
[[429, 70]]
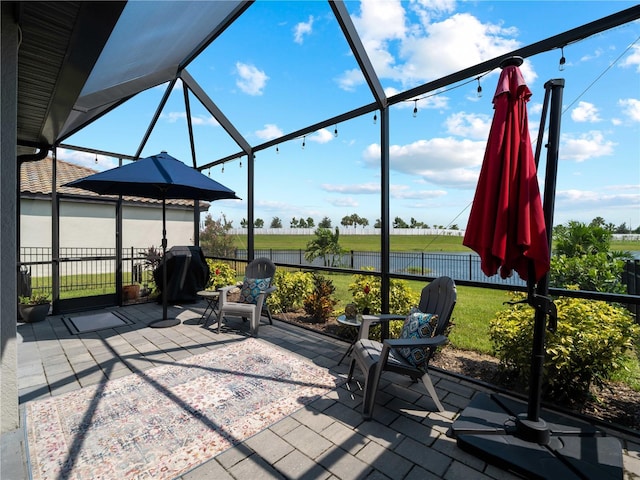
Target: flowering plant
[[220, 275], [366, 291]]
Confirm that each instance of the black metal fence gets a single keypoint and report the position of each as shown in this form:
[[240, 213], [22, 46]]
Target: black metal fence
[[80, 270], [460, 267], [94, 270], [631, 278]]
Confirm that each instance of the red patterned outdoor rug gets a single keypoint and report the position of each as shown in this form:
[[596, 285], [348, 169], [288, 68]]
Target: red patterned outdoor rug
[[164, 421]]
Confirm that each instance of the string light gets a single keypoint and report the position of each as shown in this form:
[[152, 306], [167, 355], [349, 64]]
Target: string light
[[223, 168], [479, 88], [415, 108], [277, 150], [562, 60], [375, 118], [209, 173], [240, 162], [335, 131], [96, 158], [303, 141]]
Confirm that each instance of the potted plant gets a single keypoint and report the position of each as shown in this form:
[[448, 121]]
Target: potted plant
[[151, 260], [34, 308], [131, 291]]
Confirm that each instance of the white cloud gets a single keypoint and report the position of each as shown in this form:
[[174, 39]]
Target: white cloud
[[350, 79], [321, 136], [431, 49], [251, 80], [585, 146], [401, 192], [405, 192], [630, 108], [586, 199], [271, 206], [436, 101], [441, 161], [355, 189], [429, 9], [596, 54], [173, 117], [633, 59], [302, 29], [343, 202], [585, 112], [269, 132], [469, 125], [88, 160]]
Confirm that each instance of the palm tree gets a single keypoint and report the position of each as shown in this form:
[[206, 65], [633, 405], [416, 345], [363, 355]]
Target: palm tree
[[325, 245]]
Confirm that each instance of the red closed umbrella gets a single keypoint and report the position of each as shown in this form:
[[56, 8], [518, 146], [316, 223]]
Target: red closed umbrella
[[506, 226]]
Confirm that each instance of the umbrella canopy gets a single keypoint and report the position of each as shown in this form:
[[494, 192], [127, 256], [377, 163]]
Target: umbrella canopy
[[506, 226], [160, 177]]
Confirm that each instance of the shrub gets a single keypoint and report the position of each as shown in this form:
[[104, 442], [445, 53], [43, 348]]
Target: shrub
[[599, 272], [366, 294], [293, 288], [220, 274], [320, 302], [588, 346]]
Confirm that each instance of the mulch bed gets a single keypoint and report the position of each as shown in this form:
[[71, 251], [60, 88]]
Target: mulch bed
[[615, 404]]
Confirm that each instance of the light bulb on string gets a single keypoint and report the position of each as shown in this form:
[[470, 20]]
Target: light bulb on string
[[277, 150], [240, 162], [96, 158], [415, 108], [479, 90], [209, 173], [562, 60], [303, 141], [223, 168], [375, 118], [335, 131]]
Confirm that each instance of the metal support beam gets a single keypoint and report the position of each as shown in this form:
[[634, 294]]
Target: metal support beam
[[251, 160], [156, 116], [551, 43], [385, 221], [351, 34], [215, 111]]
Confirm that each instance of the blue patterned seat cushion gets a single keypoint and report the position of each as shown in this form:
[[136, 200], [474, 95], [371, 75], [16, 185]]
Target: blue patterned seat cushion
[[251, 289], [418, 325]]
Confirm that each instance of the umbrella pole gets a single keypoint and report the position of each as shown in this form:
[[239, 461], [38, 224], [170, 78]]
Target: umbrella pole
[[565, 447], [534, 427], [164, 321]]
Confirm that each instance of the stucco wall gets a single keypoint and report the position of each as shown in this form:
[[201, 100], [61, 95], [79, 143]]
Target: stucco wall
[[94, 225]]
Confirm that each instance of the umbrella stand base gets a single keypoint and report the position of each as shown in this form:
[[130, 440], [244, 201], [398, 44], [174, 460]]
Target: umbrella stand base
[[164, 323], [487, 428]]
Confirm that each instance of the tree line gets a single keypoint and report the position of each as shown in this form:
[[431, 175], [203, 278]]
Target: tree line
[[353, 220]]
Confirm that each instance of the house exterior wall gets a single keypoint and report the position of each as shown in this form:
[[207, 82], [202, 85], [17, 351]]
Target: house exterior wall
[[93, 224], [9, 415]]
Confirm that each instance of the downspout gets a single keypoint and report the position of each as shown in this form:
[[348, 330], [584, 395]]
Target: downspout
[[33, 157]]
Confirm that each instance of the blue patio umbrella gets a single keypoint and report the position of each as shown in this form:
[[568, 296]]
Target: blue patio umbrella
[[159, 177]]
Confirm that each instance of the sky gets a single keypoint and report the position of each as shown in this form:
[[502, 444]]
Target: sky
[[283, 66]]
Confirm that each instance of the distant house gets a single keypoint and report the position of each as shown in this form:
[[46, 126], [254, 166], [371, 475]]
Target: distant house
[[88, 220]]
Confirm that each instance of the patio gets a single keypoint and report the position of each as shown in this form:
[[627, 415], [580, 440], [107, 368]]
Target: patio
[[325, 439]]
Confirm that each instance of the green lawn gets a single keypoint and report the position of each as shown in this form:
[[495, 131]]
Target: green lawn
[[471, 316], [371, 243], [365, 243]]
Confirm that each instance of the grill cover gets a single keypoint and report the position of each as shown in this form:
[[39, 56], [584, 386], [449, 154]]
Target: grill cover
[[187, 273]]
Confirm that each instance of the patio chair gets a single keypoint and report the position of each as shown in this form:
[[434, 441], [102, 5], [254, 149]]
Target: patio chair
[[409, 355], [256, 287]]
